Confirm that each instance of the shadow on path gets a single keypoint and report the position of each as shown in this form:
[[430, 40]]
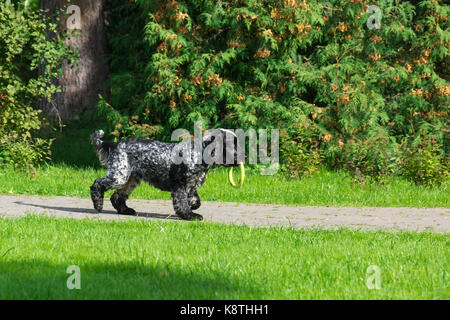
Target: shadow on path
[[93, 211]]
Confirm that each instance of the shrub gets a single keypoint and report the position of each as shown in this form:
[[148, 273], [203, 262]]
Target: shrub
[[24, 50], [372, 160], [300, 151], [423, 163], [22, 153], [122, 126], [270, 64]]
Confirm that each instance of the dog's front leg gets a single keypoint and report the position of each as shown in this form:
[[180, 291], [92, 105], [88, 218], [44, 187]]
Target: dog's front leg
[[97, 193], [113, 180], [181, 205], [194, 200]]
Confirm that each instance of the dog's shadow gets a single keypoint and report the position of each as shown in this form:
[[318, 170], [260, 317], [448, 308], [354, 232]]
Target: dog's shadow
[[92, 211]]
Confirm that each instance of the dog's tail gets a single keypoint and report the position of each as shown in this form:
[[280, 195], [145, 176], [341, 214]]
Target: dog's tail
[[102, 148]]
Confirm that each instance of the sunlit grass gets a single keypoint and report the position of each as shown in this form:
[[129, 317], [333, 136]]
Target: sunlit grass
[[325, 188], [181, 260]]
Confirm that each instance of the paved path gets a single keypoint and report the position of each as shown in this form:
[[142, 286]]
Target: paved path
[[416, 219]]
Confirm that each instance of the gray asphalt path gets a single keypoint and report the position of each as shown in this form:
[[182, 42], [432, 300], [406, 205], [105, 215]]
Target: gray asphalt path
[[392, 218]]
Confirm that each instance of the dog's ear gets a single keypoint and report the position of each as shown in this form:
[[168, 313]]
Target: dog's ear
[[226, 132]]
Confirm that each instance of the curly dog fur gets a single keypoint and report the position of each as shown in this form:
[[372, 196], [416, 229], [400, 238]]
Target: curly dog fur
[[133, 160]]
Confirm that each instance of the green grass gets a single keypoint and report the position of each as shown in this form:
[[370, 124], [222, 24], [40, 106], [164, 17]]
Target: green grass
[[172, 260], [326, 188]]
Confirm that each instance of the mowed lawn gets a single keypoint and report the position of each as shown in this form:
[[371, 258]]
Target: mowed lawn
[[329, 188], [148, 259]]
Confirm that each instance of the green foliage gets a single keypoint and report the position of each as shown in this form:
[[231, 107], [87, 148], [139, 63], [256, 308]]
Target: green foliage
[[271, 64], [27, 4], [122, 126], [300, 152], [423, 164], [373, 160], [24, 153], [23, 50]]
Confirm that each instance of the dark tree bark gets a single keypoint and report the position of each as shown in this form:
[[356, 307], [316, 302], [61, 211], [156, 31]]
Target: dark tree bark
[[80, 85]]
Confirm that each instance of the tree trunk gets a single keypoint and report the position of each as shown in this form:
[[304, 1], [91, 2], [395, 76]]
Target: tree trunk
[[80, 85]]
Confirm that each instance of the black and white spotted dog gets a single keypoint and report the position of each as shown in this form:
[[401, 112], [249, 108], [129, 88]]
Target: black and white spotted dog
[[132, 160]]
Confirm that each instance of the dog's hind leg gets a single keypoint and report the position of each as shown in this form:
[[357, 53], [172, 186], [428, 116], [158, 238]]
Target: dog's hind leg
[[119, 198], [182, 207]]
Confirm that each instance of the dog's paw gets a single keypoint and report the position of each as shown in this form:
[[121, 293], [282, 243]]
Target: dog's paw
[[98, 206], [195, 216], [190, 216], [97, 201], [128, 211]]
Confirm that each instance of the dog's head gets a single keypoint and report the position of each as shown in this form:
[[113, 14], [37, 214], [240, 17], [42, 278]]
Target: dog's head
[[221, 147]]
